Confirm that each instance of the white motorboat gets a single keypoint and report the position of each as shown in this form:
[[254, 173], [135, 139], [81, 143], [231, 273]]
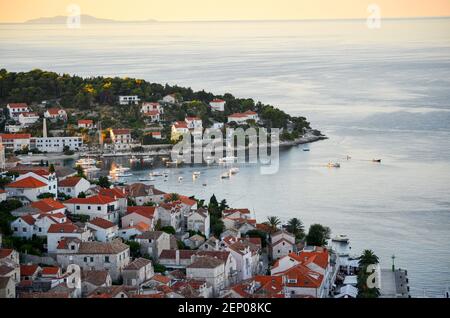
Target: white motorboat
[[124, 175], [234, 170], [227, 160], [225, 175], [334, 165], [147, 159], [180, 179], [196, 174], [146, 179]]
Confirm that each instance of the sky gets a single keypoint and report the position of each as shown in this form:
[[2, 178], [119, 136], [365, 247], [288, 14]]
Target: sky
[[207, 10]]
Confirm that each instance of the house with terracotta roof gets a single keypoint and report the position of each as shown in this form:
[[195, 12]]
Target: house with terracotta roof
[[140, 214], [238, 219], [170, 98], [129, 99], [37, 224], [217, 104], [257, 287], [170, 214], [55, 113], [27, 119], [130, 232], [103, 230], [117, 193], [15, 142], [86, 123], [58, 236], [26, 189], [199, 220], [153, 243], [209, 269], [29, 271], [9, 255], [15, 109], [193, 122], [241, 118], [113, 291], [138, 272], [73, 186], [49, 206], [156, 134], [152, 111], [282, 244], [93, 279], [95, 206], [178, 129], [142, 193], [112, 256], [121, 138], [307, 272]]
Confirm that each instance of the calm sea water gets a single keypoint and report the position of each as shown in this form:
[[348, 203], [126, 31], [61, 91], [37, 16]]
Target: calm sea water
[[376, 94]]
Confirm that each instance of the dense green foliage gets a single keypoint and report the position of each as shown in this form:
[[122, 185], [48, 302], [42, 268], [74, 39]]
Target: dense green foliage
[[215, 209], [318, 235], [75, 92], [365, 275]]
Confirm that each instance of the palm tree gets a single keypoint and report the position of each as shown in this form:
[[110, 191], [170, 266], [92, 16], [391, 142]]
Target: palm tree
[[273, 222], [295, 226], [368, 257], [173, 197]]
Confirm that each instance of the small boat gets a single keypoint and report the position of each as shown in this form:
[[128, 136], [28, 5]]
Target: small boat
[[209, 160], [146, 179], [376, 160], [196, 173], [234, 170], [225, 175], [348, 157], [124, 175], [147, 159], [305, 149], [91, 169], [180, 179], [204, 184], [86, 162], [227, 160], [334, 165]]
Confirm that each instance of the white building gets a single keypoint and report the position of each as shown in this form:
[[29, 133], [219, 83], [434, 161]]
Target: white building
[[15, 109], [193, 122], [58, 235], [73, 186], [153, 243], [27, 119], [217, 105], [140, 214], [95, 207], [148, 107], [121, 138], [169, 214], [27, 189], [282, 244], [2, 155], [137, 272], [153, 116], [15, 142], [38, 224], [103, 230], [55, 113], [171, 99], [111, 256], [199, 220], [209, 269], [127, 100], [86, 123], [56, 144], [241, 118]]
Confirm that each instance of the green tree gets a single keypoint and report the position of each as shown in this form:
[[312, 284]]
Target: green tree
[[173, 197], [80, 171], [318, 235], [46, 195], [104, 182], [273, 222], [368, 257], [82, 195], [295, 226], [168, 229], [51, 168]]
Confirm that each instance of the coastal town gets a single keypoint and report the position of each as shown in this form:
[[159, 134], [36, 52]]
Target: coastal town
[[132, 240]]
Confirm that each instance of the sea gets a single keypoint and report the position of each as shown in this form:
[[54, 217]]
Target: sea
[[375, 93]]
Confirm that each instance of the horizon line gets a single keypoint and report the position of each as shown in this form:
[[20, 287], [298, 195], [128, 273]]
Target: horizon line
[[150, 20]]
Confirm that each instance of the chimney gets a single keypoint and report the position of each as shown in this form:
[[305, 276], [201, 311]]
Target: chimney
[[131, 223], [44, 128], [177, 257]]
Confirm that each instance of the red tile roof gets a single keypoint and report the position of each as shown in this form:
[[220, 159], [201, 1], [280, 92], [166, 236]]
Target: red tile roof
[[217, 100], [15, 136], [29, 219], [192, 118], [69, 182], [50, 270], [104, 224], [53, 111], [5, 252], [85, 122], [264, 287], [114, 192], [63, 228], [151, 113], [161, 279], [97, 199], [47, 205], [28, 183], [231, 211], [180, 124], [28, 270], [122, 131], [145, 211]]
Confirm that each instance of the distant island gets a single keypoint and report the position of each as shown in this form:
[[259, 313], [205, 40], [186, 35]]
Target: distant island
[[87, 19]]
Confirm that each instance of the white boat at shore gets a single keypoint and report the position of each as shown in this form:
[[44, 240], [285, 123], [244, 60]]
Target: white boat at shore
[[196, 174], [124, 175], [334, 165], [180, 179], [146, 179], [234, 170], [227, 160], [225, 175], [86, 162]]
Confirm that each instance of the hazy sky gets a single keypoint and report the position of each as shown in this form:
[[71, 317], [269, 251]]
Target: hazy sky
[[22, 10]]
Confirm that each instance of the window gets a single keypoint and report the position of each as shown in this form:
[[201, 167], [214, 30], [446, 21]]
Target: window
[[92, 259], [99, 208], [24, 229], [15, 229], [106, 259], [78, 207], [85, 259], [89, 207]]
